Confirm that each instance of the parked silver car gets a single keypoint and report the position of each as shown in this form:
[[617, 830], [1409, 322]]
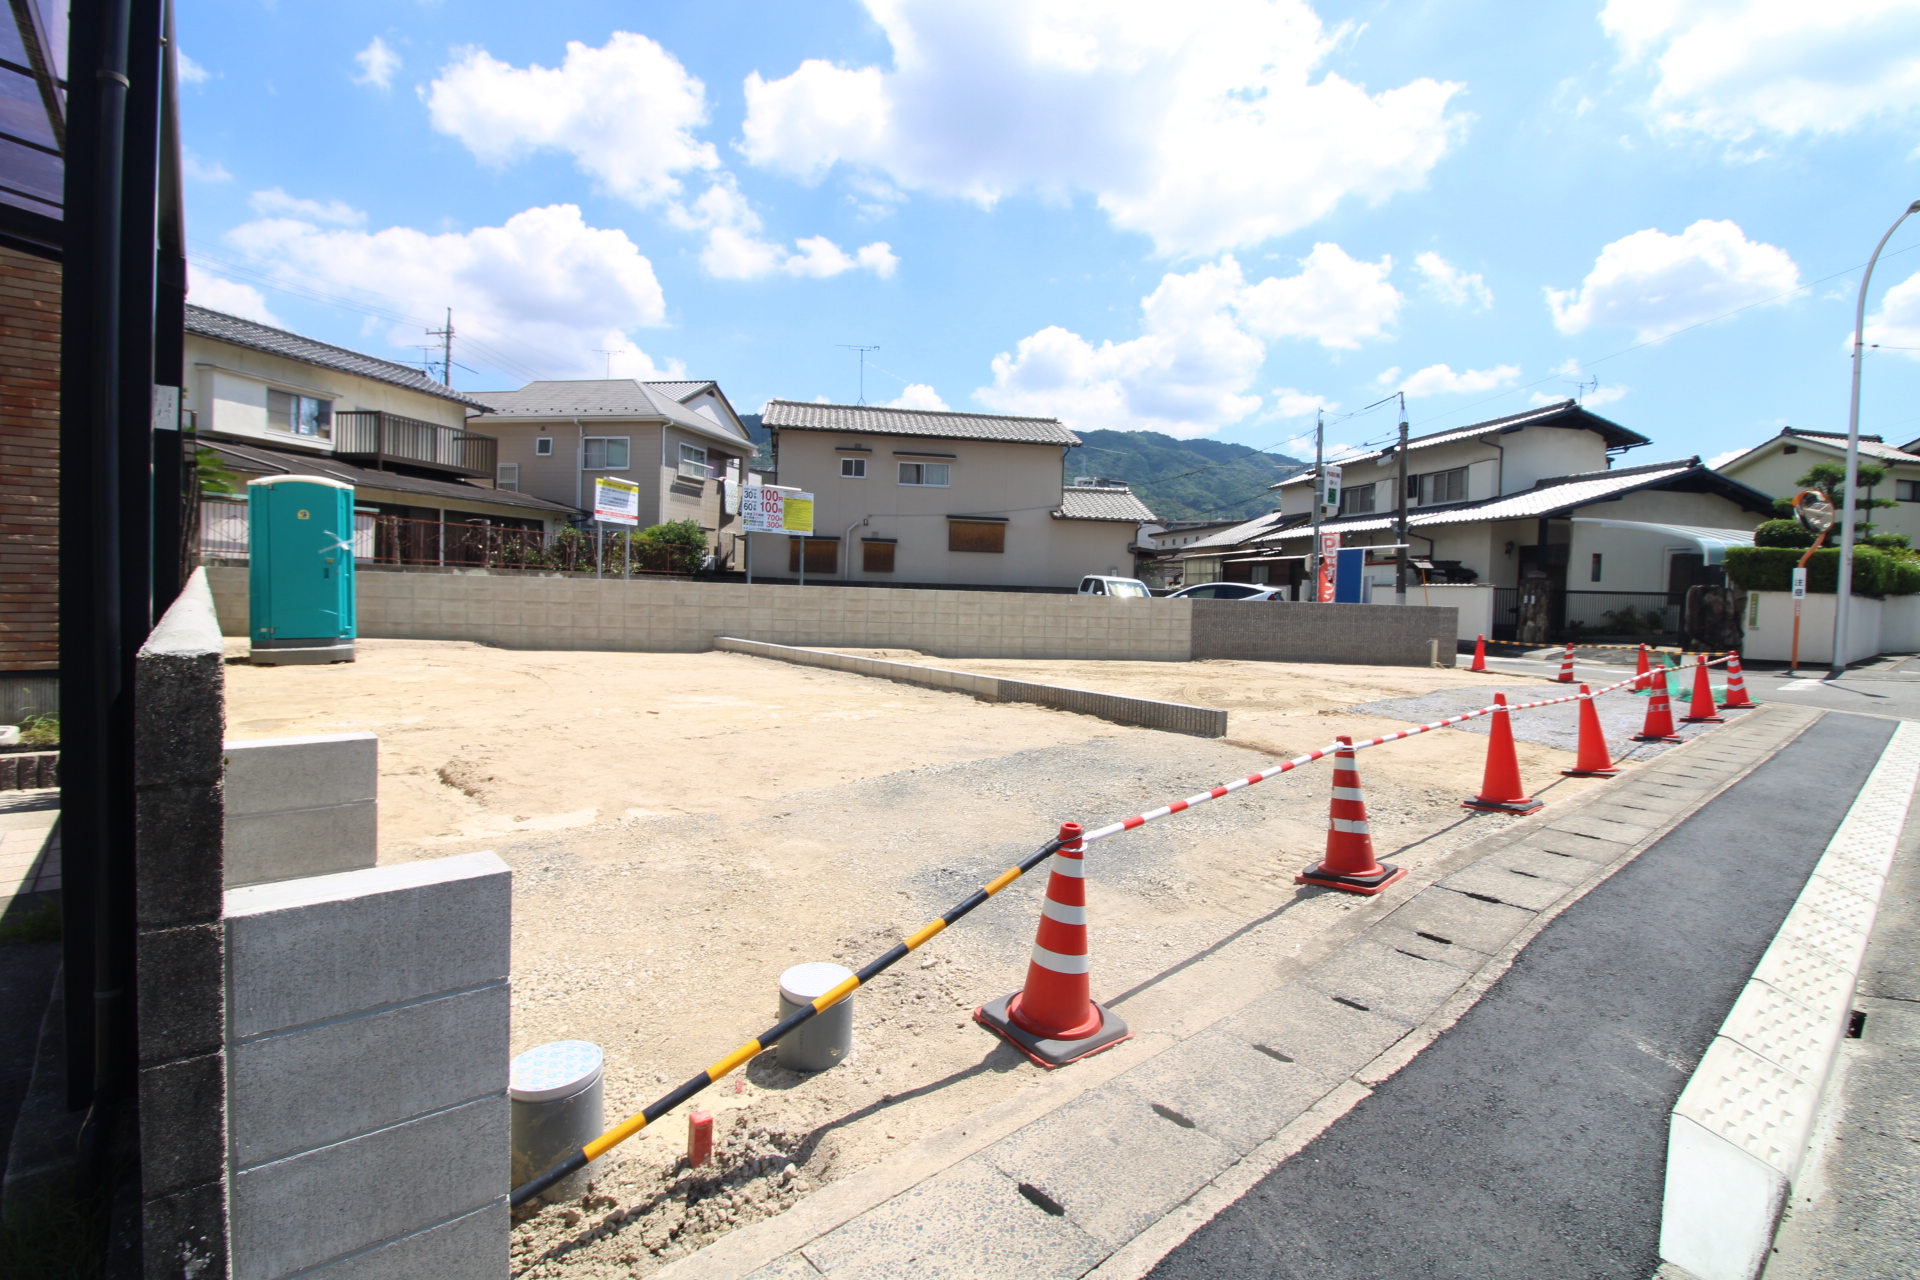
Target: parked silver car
[[1229, 591]]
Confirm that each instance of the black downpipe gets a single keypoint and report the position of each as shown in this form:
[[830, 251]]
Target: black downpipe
[[174, 516]]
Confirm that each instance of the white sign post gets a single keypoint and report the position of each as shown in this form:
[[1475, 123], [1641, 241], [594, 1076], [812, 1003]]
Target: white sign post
[[614, 502], [1799, 594], [772, 509]]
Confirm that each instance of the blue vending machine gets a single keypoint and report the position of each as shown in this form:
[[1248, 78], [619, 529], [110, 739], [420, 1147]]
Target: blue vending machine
[[300, 570]]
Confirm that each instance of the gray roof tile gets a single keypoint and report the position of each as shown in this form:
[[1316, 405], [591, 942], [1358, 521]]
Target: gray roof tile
[[222, 327], [1087, 502], [940, 424], [609, 398]]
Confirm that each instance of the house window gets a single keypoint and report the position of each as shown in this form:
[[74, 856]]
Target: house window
[[854, 469], [1596, 566], [1356, 501], [300, 415], [932, 474], [823, 555], [543, 447], [976, 535], [1443, 486], [509, 476], [693, 463], [1907, 490], [1790, 448], [876, 557], [606, 453]]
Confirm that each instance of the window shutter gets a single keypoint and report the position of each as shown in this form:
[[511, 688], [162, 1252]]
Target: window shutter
[[976, 535]]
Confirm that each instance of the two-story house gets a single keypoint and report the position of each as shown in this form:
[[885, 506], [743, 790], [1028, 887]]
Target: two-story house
[[1776, 466], [934, 496], [266, 401], [681, 442]]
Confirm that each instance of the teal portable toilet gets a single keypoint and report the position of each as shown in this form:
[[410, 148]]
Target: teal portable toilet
[[300, 570]]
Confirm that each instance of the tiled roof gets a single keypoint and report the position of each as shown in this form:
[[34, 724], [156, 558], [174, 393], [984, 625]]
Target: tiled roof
[[603, 398], [1088, 502], [1870, 446], [1566, 414], [682, 391], [1242, 532], [222, 327], [256, 460], [939, 424]]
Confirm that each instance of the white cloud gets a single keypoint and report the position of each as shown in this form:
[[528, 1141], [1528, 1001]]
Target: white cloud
[[1202, 125], [1592, 399], [735, 250], [626, 112], [194, 166], [1289, 403], [1451, 285], [545, 287], [221, 294], [918, 395], [377, 63], [1897, 321], [1335, 300], [275, 203], [190, 72], [1441, 380], [1732, 69], [1657, 284], [1719, 460]]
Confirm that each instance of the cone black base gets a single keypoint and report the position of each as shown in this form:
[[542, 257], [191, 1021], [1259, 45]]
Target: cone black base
[[1368, 885], [1051, 1053], [1528, 805]]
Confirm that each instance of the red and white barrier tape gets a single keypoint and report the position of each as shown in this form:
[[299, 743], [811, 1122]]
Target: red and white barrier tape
[[1238, 784]]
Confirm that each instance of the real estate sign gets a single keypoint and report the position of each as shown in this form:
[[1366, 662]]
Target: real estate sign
[[766, 509], [616, 501]]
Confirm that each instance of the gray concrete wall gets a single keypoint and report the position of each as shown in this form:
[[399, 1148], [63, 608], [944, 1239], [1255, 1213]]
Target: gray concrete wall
[[368, 1050], [301, 806], [1356, 633], [180, 711], [1175, 717]]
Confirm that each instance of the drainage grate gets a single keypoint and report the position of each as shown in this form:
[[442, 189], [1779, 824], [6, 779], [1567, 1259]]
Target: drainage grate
[[1856, 1024]]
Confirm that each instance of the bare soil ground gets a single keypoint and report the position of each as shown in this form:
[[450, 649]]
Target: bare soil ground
[[682, 827]]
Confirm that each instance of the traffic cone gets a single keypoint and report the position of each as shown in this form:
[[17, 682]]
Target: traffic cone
[[1593, 761], [1053, 1019], [1479, 654], [1349, 863], [1702, 710], [1736, 686], [1566, 666], [1640, 674], [1659, 723], [1500, 790]]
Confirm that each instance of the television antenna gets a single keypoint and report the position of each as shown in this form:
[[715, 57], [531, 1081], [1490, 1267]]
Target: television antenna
[[446, 349], [863, 366], [602, 351]]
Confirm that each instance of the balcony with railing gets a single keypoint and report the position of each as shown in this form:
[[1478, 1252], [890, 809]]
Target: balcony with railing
[[387, 439]]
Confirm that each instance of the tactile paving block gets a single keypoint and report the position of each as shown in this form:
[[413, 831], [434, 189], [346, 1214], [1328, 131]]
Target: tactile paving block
[[1840, 942], [1784, 1031], [1763, 1109], [1852, 876], [1805, 975], [1838, 903]]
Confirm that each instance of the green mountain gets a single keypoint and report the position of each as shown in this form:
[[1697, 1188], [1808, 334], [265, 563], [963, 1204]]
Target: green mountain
[[1184, 479]]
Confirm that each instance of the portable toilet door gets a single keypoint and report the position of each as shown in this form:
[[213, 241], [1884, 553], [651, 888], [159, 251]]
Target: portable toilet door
[[300, 570]]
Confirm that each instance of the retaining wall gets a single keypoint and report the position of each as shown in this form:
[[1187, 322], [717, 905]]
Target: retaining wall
[[683, 617], [367, 1054], [1175, 717], [300, 806]]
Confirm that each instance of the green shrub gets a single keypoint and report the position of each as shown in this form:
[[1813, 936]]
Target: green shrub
[[40, 731], [683, 533], [1875, 572], [1782, 533], [1880, 541]]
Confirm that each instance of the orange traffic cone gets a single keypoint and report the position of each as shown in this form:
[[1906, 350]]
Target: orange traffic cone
[[1641, 672], [1659, 723], [1479, 654], [1349, 863], [1053, 1019], [1593, 761], [1500, 790], [1566, 666], [1736, 686], [1702, 710]]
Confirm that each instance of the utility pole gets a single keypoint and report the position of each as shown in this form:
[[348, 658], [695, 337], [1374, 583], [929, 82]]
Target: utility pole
[[863, 367], [446, 349], [1400, 487], [1319, 491]]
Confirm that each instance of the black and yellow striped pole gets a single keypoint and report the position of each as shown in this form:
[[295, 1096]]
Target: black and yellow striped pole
[[772, 1035]]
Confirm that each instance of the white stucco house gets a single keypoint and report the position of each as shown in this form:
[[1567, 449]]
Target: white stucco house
[[1775, 468], [919, 496]]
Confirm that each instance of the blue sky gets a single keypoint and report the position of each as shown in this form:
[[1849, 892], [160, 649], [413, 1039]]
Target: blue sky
[[1205, 219]]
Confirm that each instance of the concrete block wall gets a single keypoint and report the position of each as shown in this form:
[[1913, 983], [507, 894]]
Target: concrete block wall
[[1357, 633], [300, 806], [368, 1050], [180, 712]]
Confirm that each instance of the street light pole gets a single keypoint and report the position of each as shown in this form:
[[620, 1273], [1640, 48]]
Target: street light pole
[[1843, 588]]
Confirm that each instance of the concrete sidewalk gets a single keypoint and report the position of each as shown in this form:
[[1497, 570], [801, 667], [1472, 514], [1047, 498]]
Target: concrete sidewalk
[[1105, 1166]]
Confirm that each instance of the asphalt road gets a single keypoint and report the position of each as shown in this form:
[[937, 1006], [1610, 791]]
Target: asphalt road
[[1529, 1141]]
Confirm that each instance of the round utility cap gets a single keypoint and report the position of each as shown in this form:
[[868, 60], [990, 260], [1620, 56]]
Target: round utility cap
[[557, 1070], [805, 983]]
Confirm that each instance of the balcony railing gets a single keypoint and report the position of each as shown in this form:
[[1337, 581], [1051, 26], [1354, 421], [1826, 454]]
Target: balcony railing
[[363, 435]]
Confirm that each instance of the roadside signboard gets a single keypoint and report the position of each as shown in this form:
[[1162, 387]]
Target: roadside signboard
[[765, 509], [1799, 584], [616, 501], [1330, 491], [1329, 561]]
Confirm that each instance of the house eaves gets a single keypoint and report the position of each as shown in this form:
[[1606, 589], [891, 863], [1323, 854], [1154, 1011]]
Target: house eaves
[[257, 460], [605, 400], [218, 326], [931, 424]]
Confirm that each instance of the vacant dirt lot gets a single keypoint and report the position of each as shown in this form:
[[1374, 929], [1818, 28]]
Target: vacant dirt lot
[[683, 827]]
